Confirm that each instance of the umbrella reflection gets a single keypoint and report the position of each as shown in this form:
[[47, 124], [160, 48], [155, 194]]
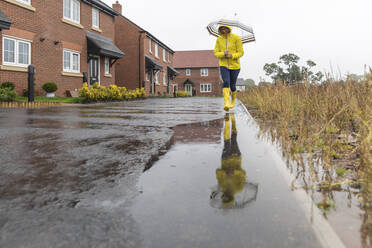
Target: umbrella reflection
[[232, 190]]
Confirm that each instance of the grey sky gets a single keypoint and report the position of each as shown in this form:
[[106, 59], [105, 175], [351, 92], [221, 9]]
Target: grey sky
[[333, 33]]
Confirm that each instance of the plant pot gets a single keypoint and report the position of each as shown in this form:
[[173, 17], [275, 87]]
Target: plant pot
[[50, 94]]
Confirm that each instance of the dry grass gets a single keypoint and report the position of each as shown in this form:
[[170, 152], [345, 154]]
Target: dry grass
[[325, 131]]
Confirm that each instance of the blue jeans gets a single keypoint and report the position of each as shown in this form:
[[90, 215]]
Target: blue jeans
[[229, 77]]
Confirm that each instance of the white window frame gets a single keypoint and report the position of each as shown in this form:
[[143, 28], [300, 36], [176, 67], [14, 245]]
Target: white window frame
[[156, 50], [156, 76], [169, 57], [147, 76], [204, 88], [71, 18], [204, 72], [28, 2], [164, 78], [188, 72], [107, 66], [16, 52], [164, 55], [150, 46], [95, 11], [71, 61]]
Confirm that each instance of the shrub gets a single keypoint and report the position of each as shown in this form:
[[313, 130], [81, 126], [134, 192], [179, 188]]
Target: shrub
[[7, 95], [182, 93], [50, 87], [9, 85], [112, 93]]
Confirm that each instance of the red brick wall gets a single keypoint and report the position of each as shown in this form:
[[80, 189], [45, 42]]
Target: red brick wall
[[130, 70], [159, 88], [127, 39], [213, 78], [46, 22]]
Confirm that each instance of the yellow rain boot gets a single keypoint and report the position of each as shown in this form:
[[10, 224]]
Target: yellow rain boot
[[233, 98], [226, 129], [233, 124], [226, 97]]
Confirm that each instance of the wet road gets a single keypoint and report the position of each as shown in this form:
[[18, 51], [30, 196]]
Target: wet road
[[152, 173]]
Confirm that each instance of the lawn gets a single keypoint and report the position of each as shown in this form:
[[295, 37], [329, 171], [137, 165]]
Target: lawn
[[51, 99]]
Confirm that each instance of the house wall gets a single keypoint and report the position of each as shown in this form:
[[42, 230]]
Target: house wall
[[213, 78], [46, 21], [161, 87], [131, 70], [128, 39]]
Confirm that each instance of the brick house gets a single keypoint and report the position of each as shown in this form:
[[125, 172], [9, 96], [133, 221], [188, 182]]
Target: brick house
[[199, 73], [148, 61], [64, 40]]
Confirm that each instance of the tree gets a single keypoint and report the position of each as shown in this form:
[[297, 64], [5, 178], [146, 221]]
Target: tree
[[249, 82], [292, 73]]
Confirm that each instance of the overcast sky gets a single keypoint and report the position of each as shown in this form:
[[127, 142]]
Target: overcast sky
[[335, 34]]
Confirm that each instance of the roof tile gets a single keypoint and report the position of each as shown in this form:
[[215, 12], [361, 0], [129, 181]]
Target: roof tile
[[194, 59]]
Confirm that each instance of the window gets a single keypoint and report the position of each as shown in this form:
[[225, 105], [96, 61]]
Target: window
[[156, 51], [71, 10], [150, 46], [164, 55], [71, 61], [25, 1], [164, 79], [168, 58], [16, 52], [204, 72], [157, 77], [205, 88], [188, 72], [95, 18], [107, 65]]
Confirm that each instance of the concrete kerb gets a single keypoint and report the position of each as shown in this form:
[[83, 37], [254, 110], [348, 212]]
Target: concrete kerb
[[322, 229]]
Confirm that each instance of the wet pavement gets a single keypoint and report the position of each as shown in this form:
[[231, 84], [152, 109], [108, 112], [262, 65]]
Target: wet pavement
[[149, 173]]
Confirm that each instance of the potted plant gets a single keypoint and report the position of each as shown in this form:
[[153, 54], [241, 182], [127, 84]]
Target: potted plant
[[50, 88]]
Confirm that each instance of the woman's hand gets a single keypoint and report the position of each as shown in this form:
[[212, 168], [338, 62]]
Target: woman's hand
[[227, 54]]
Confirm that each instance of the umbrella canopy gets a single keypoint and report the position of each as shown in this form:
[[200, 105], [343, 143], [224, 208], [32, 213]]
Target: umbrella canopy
[[239, 200], [245, 32]]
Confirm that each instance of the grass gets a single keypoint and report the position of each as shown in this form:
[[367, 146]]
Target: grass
[[51, 99], [324, 130]]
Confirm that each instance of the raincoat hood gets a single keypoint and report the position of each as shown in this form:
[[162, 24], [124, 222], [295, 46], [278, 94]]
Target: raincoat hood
[[225, 27]]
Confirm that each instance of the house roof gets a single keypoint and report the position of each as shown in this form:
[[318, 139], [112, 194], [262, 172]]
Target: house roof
[[194, 59], [4, 21], [148, 34]]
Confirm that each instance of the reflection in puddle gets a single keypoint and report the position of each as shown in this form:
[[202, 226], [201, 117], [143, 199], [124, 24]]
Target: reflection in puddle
[[232, 191]]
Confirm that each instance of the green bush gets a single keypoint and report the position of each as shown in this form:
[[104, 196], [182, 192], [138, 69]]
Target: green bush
[[7, 95], [50, 87], [9, 85]]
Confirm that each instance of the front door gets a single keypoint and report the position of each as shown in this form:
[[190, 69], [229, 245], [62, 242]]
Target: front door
[[188, 88], [94, 70]]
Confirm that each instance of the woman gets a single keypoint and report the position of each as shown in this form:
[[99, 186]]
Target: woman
[[228, 50]]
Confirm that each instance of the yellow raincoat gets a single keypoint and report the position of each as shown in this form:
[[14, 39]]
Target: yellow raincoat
[[234, 45]]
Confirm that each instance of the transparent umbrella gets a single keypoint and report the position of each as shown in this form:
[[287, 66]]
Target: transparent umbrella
[[239, 200], [245, 32]]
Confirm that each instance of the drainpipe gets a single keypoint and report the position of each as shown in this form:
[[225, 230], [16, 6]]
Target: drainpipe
[[139, 58]]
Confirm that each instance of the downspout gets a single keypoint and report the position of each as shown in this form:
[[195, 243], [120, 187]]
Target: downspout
[[139, 58]]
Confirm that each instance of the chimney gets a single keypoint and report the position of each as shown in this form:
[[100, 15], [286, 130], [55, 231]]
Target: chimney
[[117, 7]]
